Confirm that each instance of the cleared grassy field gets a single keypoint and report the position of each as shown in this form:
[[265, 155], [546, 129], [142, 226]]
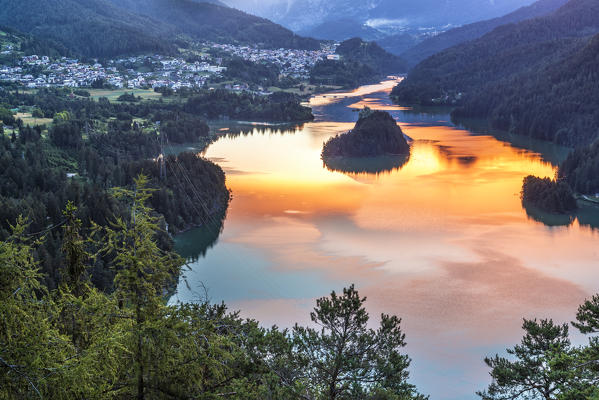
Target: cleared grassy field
[[113, 95], [29, 120]]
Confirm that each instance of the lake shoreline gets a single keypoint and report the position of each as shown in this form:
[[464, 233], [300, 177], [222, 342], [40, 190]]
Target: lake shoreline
[[439, 242]]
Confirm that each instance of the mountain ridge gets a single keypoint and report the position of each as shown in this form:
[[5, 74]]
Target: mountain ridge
[[504, 75], [108, 28], [475, 30], [206, 20]]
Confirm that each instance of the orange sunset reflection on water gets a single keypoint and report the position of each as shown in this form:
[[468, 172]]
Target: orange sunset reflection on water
[[442, 241]]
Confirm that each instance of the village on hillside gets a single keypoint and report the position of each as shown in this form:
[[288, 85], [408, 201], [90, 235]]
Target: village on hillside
[[152, 71]]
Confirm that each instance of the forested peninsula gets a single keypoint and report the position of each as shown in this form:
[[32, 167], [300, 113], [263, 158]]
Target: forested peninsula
[[83, 146]]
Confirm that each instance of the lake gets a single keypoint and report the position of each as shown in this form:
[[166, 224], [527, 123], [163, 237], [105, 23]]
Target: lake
[[441, 239]]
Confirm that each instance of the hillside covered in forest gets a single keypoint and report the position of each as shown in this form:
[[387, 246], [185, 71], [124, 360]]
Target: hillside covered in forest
[[360, 62], [208, 21], [515, 74], [104, 28], [468, 32]]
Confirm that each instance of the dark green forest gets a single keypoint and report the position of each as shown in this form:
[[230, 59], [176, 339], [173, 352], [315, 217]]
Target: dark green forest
[[263, 74], [372, 55], [361, 63], [206, 21], [221, 104], [548, 195], [93, 146], [30, 44], [559, 103], [513, 75], [93, 28], [580, 169], [349, 74], [455, 36], [85, 153]]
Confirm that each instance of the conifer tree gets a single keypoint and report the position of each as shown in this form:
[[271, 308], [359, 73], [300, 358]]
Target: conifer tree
[[543, 367], [74, 251], [144, 274], [346, 359], [586, 384], [34, 356]]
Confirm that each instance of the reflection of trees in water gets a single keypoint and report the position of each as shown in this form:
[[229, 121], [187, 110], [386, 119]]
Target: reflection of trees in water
[[428, 112], [238, 130], [194, 244], [467, 160], [366, 165], [587, 216], [550, 152], [448, 153], [548, 219]]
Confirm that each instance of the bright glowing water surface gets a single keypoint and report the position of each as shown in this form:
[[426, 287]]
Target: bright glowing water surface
[[443, 242]]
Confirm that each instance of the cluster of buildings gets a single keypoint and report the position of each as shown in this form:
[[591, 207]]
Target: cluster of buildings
[[34, 72], [293, 63], [154, 71], [169, 72], [37, 72]]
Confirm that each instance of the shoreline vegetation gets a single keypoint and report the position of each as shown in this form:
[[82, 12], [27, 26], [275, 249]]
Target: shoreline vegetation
[[554, 196], [576, 180], [128, 343], [91, 144], [376, 133], [536, 78]]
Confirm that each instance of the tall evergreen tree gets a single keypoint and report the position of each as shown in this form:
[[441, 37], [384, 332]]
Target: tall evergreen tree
[[587, 362], [346, 359], [34, 356], [144, 274], [542, 368]]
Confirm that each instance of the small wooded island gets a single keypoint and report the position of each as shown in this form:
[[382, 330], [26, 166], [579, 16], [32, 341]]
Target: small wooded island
[[376, 133], [375, 144]]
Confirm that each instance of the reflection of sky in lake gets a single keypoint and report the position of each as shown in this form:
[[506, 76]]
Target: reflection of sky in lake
[[442, 242]]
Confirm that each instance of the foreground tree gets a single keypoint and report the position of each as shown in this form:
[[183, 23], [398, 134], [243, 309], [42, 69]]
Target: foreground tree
[[34, 356], [347, 360], [144, 274], [586, 385], [543, 365], [78, 342]]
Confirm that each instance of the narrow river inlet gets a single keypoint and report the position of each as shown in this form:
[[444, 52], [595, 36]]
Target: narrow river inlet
[[442, 241]]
